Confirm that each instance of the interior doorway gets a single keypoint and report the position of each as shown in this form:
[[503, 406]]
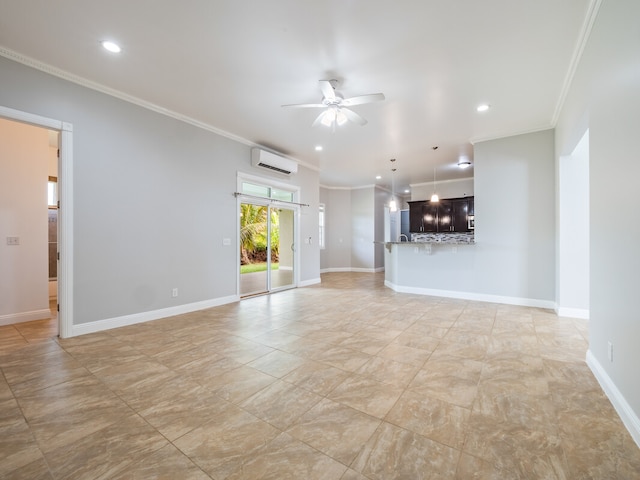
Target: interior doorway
[[267, 248], [63, 172], [28, 194]]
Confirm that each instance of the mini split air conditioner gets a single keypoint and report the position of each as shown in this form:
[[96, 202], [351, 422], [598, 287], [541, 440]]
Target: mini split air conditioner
[[276, 163]]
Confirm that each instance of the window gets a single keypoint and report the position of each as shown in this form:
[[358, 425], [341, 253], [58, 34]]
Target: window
[[281, 195], [52, 192], [321, 226], [266, 192]]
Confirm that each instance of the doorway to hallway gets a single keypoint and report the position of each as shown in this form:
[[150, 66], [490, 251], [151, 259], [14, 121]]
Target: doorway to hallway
[[28, 279], [63, 288]]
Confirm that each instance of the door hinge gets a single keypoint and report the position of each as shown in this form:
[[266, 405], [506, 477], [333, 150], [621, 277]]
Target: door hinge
[[58, 153], [58, 204], [58, 307], [58, 255]]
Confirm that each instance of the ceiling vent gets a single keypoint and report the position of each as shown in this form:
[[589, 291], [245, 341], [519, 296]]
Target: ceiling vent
[[275, 163]]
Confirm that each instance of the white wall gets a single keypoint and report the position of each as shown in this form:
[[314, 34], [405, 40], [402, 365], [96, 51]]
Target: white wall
[[515, 216], [445, 189], [354, 220], [337, 254], [572, 294], [152, 200], [605, 99], [24, 157], [381, 202], [362, 228]]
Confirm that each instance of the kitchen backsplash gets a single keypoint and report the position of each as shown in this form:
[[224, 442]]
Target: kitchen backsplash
[[443, 237]]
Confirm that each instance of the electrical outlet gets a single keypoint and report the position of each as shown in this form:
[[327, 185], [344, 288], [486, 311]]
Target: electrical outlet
[[174, 292], [13, 240], [610, 351]]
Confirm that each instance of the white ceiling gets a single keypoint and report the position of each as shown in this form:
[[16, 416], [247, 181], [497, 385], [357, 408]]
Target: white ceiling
[[231, 64]]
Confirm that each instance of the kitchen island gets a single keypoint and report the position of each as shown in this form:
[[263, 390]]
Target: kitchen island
[[436, 266], [454, 266]]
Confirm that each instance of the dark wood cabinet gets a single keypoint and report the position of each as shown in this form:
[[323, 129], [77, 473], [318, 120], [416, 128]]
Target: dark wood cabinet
[[460, 215], [415, 217], [429, 217], [446, 216]]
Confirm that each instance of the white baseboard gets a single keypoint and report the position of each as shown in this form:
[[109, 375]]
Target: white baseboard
[[109, 323], [22, 317], [477, 297], [626, 413], [307, 283], [352, 269], [335, 270], [582, 313]]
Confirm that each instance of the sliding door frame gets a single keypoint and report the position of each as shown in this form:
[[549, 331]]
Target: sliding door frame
[[269, 203]]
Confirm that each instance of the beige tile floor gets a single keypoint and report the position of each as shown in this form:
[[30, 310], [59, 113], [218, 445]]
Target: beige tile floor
[[345, 380]]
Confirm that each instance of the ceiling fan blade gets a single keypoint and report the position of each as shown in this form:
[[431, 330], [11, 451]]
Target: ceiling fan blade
[[353, 116], [327, 90], [305, 105], [318, 119], [360, 99]]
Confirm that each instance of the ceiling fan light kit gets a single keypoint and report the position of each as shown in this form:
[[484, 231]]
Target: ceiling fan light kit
[[335, 112]]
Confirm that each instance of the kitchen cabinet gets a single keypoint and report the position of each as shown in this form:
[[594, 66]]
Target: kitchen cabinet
[[415, 217], [429, 217], [447, 215], [460, 215]]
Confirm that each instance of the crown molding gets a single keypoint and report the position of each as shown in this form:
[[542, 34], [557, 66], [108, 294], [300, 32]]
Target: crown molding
[[583, 38], [422, 184], [70, 77], [514, 133], [328, 187]]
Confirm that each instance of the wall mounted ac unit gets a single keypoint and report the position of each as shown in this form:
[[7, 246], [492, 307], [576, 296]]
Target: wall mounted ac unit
[[276, 163]]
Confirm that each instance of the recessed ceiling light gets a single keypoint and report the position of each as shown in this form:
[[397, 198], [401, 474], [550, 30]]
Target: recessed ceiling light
[[483, 108], [378, 177], [318, 148], [111, 47], [407, 191]]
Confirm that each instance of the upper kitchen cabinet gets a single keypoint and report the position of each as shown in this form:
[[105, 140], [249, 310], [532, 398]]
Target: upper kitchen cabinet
[[449, 215], [460, 216]]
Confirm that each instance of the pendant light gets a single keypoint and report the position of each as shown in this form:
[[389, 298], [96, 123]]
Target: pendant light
[[434, 197], [393, 206]]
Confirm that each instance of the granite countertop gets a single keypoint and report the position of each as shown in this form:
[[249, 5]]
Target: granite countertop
[[431, 242], [457, 238]]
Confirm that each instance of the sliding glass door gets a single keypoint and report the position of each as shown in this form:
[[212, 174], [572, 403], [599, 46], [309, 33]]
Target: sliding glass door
[[283, 244], [267, 248]]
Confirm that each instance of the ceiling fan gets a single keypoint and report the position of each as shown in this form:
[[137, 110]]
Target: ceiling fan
[[335, 112]]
